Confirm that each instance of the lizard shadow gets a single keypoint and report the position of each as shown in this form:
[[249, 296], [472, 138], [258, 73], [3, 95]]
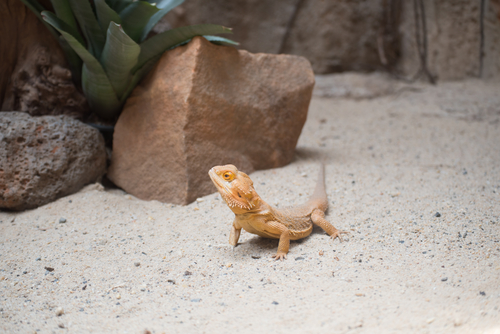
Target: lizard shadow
[[266, 245]]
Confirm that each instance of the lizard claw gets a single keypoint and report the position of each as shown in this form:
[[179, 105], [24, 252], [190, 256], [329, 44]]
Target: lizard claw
[[338, 234], [279, 256]]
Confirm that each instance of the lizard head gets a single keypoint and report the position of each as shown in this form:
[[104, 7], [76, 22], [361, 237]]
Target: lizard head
[[235, 187]]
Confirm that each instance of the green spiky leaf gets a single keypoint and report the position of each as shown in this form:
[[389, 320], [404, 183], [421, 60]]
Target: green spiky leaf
[[90, 27], [220, 40], [165, 6], [119, 5], [100, 95], [119, 56], [96, 85], [61, 26], [136, 16], [64, 12], [106, 14]]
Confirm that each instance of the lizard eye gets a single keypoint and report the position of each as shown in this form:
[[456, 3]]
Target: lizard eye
[[228, 176]]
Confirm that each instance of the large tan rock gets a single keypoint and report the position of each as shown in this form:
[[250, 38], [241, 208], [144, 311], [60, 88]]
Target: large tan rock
[[206, 105]]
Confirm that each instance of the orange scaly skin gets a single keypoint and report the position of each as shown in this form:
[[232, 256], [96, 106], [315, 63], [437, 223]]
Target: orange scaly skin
[[256, 216]]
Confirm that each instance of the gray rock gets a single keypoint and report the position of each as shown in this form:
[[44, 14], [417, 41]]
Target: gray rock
[[205, 105], [44, 158]]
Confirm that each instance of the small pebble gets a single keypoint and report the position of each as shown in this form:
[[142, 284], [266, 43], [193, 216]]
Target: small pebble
[[482, 293], [38, 259], [59, 311], [196, 300], [49, 269], [444, 279], [299, 258], [62, 220], [321, 253], [275, 303], [61, 325], [255, 257], [437, 214], [187, 273], [137, 264], [118, 296]]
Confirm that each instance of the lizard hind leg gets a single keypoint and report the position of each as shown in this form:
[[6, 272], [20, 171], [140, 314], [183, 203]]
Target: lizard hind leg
[[318, 218]]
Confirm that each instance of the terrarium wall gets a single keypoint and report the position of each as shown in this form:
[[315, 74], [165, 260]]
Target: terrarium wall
[[462, 37]]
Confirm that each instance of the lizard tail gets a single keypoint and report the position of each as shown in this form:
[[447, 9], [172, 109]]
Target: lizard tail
[[319, 199]]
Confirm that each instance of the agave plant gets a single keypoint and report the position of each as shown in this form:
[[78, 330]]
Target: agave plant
[[114, 50]]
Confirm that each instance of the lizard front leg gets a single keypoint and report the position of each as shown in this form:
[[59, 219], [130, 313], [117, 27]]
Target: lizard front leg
[[234, 236], [284, 243], [318, 218]]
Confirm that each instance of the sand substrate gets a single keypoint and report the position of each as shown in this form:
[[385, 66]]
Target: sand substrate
[[414, 176]]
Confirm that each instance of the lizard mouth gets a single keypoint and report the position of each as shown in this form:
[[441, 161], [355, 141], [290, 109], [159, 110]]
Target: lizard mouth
[[233, 197]]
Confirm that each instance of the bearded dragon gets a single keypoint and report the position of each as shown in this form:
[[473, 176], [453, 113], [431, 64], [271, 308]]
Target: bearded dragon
[[254, 215]]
